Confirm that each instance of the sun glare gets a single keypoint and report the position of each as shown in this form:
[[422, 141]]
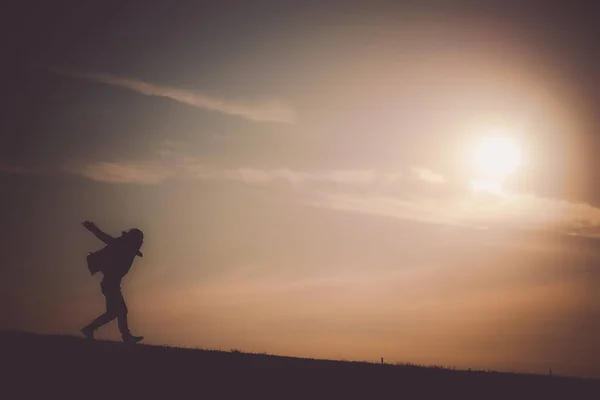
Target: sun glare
[[494, 158]]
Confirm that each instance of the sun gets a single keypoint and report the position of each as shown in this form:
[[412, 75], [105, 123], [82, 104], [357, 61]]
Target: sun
[[494, 158]]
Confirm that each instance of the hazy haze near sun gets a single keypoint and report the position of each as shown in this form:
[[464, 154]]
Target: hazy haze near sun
[[340, 179]]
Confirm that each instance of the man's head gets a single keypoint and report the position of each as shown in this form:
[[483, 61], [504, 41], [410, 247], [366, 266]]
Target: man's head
[[135, 235], [135, 232]]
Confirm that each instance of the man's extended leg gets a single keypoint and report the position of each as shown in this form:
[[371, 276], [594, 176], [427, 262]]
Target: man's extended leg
[[121, 311]]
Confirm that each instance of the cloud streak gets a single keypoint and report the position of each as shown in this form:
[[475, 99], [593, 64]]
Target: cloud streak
[[351, 177], [526, 212], [258, 112], [176, 166], [377, 193], [121, 173], [427, 175]]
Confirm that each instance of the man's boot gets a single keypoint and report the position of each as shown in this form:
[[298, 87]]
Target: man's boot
[[131, 339], [88, 332]]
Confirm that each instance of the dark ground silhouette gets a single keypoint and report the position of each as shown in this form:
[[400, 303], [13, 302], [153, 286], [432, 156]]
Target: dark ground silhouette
[[46, 366]]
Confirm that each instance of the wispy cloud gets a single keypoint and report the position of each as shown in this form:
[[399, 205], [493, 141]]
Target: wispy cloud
[[189, 167], [352, 177], [267, 111], [427, 175], [511, 212], [114, 172], [371, 192]]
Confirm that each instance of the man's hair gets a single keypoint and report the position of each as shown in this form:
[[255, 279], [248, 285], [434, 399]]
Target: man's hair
[[134, 236], [135, 232]]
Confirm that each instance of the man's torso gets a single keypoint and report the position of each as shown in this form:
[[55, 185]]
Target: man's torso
[[119, 258]]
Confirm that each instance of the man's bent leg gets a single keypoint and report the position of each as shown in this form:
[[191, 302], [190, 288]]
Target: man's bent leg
[[103, 319]]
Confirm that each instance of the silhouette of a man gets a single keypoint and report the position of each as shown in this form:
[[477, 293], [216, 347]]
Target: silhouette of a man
[[116, 260]]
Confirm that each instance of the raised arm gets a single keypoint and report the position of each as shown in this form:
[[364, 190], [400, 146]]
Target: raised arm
[[105, 237]]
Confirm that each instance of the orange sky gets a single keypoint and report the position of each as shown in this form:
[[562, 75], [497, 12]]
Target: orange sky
[[305, 182]]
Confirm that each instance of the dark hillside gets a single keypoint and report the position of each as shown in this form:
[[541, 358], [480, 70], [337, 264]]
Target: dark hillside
[[40, 366]]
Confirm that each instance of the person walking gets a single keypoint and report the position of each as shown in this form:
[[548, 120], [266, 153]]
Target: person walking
[[114, 261]]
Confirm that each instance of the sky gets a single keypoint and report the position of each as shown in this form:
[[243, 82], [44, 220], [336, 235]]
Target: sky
[[304, 175]]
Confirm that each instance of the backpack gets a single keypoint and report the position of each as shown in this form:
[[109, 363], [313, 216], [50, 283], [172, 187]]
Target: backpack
[[96, 260], [111, 257], [100, 260]]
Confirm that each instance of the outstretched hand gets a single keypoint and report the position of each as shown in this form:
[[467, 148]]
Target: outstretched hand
[[89, 225], [101, 235]]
